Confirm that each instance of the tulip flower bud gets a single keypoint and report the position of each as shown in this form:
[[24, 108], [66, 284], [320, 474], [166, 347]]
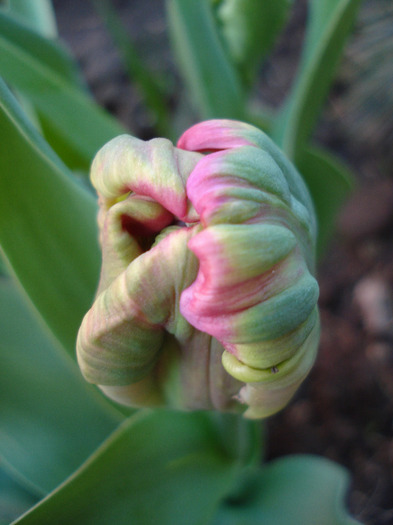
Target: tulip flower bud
[[206, 298]]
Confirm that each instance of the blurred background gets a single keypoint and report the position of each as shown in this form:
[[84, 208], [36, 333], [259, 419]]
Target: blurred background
[[344, 411]]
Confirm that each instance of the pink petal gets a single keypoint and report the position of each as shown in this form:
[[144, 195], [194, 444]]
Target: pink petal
[[212, 135]]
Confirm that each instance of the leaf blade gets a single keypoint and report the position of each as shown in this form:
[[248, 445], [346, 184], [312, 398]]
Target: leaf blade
[[51, 419], [211, 78], [330, 182], [327, 30], [47, 225], [14, 499], [74, 120], [295, 489], [151, 89], [51, 54], [249, 28], [185, 476]]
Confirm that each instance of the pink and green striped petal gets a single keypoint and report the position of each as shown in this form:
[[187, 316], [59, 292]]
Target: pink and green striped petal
[[207, 298]]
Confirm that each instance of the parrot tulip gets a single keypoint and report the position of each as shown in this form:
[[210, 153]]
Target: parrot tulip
[[207, 298]]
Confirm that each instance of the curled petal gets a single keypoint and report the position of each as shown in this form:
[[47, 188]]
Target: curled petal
[[123, 333], [254, 291], [154, 169], [246, 185], [272, 390], [221, 134], [207, 298]]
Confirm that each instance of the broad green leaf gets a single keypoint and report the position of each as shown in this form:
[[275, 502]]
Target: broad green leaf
[[329, 24], [294, 490], [159, 467], [152, 90], [39, 15], [38, 69], [48, 52], [330, 183], [249, 29], [51, 419], [14, 499], [211, 78], [47, 225]]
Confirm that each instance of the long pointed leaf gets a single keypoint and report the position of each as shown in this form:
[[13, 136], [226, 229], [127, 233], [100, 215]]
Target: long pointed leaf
[[51, 419], [28, 63], [161, 467], [51, 55], [39, 15], [47, 225], [329, 24], [14, 499], [211, 78], [151, 89], [249, 28], [330, 183]]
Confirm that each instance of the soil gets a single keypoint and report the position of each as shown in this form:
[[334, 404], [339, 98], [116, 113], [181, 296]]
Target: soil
[[344, 410]]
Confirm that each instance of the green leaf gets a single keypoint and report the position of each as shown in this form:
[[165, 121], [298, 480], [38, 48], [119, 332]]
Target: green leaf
[[51, 55], [211, 78], [329, 182], [39, 15], [151, 89], [295, 490], [329, 24], [47, 225], [162, 467], [249, 29], [39, 69], [51, 419], [14, 499], [3, 265]]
